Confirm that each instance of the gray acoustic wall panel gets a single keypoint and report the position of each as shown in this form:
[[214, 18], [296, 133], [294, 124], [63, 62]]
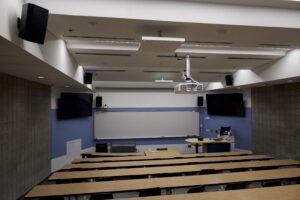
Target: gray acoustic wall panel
[[276, 120], [24, 135]]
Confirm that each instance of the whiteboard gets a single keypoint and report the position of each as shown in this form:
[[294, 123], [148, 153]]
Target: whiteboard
[[155, 124]]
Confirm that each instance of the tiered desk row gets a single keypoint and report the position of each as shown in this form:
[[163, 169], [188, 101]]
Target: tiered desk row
[[170, 175]]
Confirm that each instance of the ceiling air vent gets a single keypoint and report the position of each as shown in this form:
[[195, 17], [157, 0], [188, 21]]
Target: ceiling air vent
[[106, 70], [153, 71], [274, 45], [215, 72], [209, 42], [101, 54], [248, 58], [179, 57]]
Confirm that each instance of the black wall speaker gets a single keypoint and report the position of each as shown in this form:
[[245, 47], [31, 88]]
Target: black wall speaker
[[98, 101], [33, 23], [229, 80], [200, 101], [88, 78]]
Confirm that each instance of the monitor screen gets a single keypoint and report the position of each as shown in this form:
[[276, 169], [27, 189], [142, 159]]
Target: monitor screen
[[225, 104], [74, 105]]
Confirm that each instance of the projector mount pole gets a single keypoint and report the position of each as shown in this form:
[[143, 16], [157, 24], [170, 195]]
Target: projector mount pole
[[188, 76], [188, 67]]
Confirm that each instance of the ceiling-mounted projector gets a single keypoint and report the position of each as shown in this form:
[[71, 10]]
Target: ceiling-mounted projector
[[189, 85]]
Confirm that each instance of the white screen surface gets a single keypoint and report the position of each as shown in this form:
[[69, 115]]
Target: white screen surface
[[123, 125]]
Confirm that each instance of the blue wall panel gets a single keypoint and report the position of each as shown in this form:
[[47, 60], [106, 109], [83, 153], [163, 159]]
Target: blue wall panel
[[70, 129], [240, 126], [66, 130]]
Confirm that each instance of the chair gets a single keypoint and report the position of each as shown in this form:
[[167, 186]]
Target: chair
[[103, 147], [52, 198], [264, 168], [272, 183], [85, 155], [207, 171], [167, 175], [101, 196], [218, 147], [150, 192], [161, 149], [123, 148], [196, 189], [239, 170], [235, 186]]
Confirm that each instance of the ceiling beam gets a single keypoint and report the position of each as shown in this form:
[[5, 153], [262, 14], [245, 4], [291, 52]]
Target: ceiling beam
[[177, 11], [284, 70]]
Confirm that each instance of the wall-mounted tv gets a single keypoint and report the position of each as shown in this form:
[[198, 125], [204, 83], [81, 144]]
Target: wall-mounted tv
[[231, 104], [74, 105]]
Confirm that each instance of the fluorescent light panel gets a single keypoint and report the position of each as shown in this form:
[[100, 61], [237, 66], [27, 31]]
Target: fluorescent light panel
[[210, 49], [163, 39], [103, 45], [163, 81]]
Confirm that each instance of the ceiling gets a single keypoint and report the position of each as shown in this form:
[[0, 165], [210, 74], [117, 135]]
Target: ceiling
[[290, 4], [155, 61], [29, 67]]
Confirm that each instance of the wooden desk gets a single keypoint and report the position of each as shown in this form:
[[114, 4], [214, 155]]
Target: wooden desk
[[163, 162], [205, 142], [168, 169], [117, 154], [164, 183], [157, 157], [289, 192], [162, 153]]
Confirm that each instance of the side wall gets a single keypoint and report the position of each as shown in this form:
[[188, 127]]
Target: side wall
[[64, 132], [25, 135], [276, 125]]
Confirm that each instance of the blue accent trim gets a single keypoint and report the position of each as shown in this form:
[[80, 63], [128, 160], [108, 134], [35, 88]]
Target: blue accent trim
[[71, 129], [146, 141], [151, 109]]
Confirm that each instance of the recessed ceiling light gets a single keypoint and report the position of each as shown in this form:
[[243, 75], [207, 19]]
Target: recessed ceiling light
[[92, 23], [222, 31], [41, 77]]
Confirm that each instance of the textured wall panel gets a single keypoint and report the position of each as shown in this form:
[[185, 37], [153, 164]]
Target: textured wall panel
[[276, 120], [24, 135]]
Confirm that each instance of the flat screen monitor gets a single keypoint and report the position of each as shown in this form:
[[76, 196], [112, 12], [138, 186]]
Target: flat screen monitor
[[230, 104], [74, 105]]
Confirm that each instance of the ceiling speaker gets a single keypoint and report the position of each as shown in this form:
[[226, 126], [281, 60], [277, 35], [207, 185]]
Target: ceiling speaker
[[200, 101], [88, 78], [33, 23], [98, 101], [229, 80]]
